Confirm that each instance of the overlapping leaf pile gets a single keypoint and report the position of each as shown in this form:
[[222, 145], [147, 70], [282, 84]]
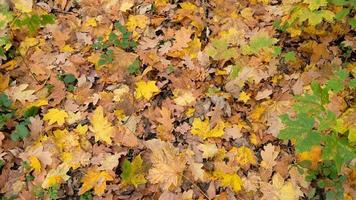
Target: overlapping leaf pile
[[158, 99]]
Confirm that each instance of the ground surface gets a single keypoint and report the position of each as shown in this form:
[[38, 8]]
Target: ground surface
[[158, 99]]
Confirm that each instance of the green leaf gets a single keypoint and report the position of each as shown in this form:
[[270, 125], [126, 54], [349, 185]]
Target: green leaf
[[337, 82], [69, 78], [290, 56], [342, 14], [352, 83], [4, 100], [326, 121], [48, 19], [220, 50], [338, 150], [258, 42], [106, 58], [134, 68], [5, 16], [300, 130], [20, 132], [132, 173], [113, 39], [352, 23], [31, 112]]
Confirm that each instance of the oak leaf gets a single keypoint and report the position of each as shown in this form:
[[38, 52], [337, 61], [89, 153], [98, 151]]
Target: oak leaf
[[268, 156]]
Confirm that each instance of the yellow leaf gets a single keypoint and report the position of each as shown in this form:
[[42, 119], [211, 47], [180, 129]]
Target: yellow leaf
[[9, 65], [35, 164], [56, 176], [146, 89], [120, 114], [244, 97], [26, 44], [190, 112], [81, 130], [101, 126], [95, 179], [24, 6], [65, 140], [218, 130], [67, 48], [90, 22], [229, 180], [55, 115], [94, 58], [168, 165], [202, 128], [38, 103], [245, 156], [134, 21]]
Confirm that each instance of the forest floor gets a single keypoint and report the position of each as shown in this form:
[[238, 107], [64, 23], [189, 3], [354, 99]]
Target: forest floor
[[170, 99]]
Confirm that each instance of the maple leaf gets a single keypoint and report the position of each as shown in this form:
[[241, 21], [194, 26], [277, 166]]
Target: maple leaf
[[134, 21], [168, 165], [95, 179], [55, 115], [202, 128], [102, 128], [229, 180], [146, 89], [301, 130], [56, 176], [132, 172]]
